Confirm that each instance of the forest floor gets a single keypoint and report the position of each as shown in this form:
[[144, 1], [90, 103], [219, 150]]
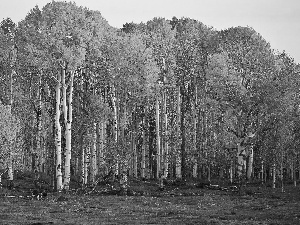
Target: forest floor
[[145, 203]]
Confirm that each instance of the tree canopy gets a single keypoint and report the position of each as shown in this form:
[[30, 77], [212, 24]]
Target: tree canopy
[[182, 98]]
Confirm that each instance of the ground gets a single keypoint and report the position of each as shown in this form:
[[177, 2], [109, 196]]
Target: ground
[[147, 204]]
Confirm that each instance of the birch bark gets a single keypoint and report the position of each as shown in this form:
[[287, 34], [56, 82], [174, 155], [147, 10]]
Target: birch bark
[[59, 184], [250, 164], [178, 159], [68, 124], [158, 152]]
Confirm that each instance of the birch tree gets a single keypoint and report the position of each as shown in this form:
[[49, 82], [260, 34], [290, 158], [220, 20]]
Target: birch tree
[[59, 40]]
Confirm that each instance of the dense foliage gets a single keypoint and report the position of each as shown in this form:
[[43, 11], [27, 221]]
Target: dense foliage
[[172, 98]]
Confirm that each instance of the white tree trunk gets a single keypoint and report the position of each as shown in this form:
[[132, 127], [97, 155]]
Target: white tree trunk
[[178, 166], [158, 152], [115, 110], [178, 158], [250, 164], [38, 152], [135, 157], [231, 172], [68, 123], [294, 171], [85, 167], [195, 168], [10, 165], [143, 163], [281, 172], [241, 162], [11, 141], [262, 172], [44, 155], [274, 176], [101, 149], [94, 154], [166, 141], [59, 184], [195, 120]]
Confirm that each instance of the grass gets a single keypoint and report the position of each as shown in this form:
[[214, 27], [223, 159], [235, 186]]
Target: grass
[[173, 205]]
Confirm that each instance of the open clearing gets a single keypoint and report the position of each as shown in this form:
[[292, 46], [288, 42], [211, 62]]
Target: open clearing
[[174, 205]]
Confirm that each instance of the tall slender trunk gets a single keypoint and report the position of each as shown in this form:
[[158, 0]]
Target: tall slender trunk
[[10, 171], [85, 166], [250, 164], [38, 153], [240, 161], [101, 147], [195, 163], [178, 159], [82, 165], [68, 124], [183, 138], [166, 138], [195, 168], [94, 153], [158, 152], [11, 142], [294, 171], [274, 175], [45, 156], [59, 184], [143, 163], [262, 171], [231, 172], [135, 156], [281, 171], [115, 131]]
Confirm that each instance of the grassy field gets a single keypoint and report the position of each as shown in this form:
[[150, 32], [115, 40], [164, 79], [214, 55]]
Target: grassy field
[[185, 204]]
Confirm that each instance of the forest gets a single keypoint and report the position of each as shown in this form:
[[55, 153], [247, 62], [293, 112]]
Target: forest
[[167, 99]]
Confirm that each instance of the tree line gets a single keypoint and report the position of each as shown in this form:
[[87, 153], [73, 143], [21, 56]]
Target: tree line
[[163, 99]]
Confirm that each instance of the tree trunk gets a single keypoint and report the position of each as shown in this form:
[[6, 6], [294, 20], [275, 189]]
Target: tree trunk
[[178, 159], [158, 152], [143, 163], [195, 120], [183, 138], [10, 165], [241, 162], [115, 132], [59, 184], [94, 154], [101, 147], [85, 166], [68, 124], [262, 171], [250, 164], [135, 158], [294, 172], [195, 168], [45, 156], [231, 172], [281, 172], [10, 157], [166, 144], [274, 175], [38, 152]]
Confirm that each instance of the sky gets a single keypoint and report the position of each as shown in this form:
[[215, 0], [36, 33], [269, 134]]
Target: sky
[[278, 21]]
